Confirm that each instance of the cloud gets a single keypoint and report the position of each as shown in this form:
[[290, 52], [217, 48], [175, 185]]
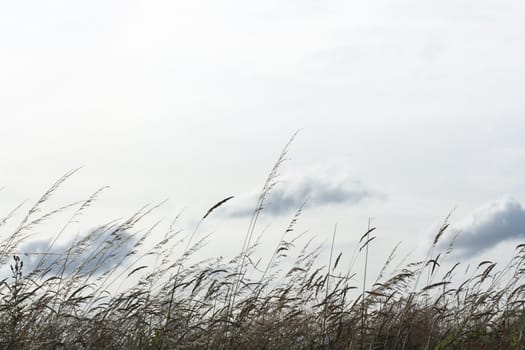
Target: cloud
[[499, 221], [291, 193], [100, 250]]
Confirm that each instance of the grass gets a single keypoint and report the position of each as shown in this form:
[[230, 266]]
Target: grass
[[161, 298]]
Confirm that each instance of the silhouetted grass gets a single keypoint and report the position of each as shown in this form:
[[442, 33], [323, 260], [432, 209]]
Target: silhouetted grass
[[160, 298]]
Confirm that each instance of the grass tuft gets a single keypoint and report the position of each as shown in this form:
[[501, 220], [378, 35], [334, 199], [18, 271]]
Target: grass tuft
[[109, 290]]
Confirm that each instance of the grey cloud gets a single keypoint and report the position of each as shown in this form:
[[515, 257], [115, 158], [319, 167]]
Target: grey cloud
[[500, 221], [100, 250], [289, 195]]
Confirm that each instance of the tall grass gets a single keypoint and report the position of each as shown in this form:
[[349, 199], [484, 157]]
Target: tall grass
[[161, 298]]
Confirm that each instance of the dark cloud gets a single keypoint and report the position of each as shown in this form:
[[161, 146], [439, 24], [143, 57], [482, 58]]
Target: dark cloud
[[289, 195], [500, 221], [100, 250]]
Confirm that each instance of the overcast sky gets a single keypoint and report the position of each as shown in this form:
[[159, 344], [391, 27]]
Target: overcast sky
[[408, 109]]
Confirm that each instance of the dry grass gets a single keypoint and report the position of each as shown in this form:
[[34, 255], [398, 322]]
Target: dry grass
[[173, 302]]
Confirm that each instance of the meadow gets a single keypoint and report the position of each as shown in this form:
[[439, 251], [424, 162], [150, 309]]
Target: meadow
[[291, 300]]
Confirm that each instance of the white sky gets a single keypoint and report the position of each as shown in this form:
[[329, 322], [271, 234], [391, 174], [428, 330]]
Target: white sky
[[420, 102]]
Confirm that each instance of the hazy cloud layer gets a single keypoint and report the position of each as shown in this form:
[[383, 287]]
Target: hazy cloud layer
[[502, 220], [99, 251], [290, 194]]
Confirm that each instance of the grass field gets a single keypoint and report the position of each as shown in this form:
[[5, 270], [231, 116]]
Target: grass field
[[291, 301]]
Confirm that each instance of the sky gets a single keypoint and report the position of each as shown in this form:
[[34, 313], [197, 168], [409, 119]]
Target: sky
[[407, 110]]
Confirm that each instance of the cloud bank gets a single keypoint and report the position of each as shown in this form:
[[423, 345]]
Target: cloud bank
[[100, 250], [500, 221], [291, 193]]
